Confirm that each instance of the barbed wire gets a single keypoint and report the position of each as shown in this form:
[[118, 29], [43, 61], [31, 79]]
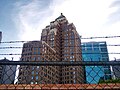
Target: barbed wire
[[101, 37], [65, 39], [64, 46]]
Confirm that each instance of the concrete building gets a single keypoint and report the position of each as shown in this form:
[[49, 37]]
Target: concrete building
[[38, 51], [0, 36], [7, 73], [96, 51], [62, 42], [116, 70]]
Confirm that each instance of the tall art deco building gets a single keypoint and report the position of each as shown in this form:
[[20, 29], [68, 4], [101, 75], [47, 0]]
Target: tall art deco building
[[59, 42]]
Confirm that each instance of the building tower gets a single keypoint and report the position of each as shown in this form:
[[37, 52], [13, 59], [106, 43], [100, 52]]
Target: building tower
[[61, 43], [116, 70], [36, 51], [64, 39], [7, 73], [96, 51]]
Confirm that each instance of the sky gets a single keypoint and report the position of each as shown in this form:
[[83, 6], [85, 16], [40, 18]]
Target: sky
[[25, 19]]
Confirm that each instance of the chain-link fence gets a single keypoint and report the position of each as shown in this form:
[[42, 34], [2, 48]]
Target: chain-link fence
[[59, 75]]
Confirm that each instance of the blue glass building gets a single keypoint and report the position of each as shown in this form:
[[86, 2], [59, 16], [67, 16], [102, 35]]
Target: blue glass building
[[96, 51]]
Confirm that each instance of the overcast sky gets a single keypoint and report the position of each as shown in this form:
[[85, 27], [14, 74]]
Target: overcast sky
[[25, 19]]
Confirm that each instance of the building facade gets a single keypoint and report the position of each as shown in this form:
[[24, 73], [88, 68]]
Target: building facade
[[63, 42], [116, 70], [7, 73], [96, 51], [38, 51]]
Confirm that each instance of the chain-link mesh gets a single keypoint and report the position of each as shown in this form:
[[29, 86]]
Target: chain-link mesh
[[29, 76]]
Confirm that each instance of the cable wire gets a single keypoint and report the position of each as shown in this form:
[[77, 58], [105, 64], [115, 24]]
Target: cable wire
[[41, 47], [66, 39]]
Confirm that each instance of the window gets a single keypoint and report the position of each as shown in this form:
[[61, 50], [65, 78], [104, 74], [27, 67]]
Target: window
[[66, 44], [65, 58], [72, 42], [35, 49], [38, 58], [32, 72], [34, 58], [102, 44], [96, 49], [32, 67], [36, 77], [89, 45], [105, 59], [37, 66], [32, 77], [72, 35], [71, 49], [103, 49], [95, 45], [36, 72], [66, 36], [65, 54], [52, 36], [104, 55], [108, 77], [72, 60], [36, 82], [89, 49], [71, 57], [31, 83], [38, 50], [83, 49], [107, 71], [34, 52], [65, 50], [52, 43], [43, 49], [66, 41]]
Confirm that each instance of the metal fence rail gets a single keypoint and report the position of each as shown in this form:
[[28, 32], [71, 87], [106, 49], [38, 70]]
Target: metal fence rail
[[37, 75], [63, 63]]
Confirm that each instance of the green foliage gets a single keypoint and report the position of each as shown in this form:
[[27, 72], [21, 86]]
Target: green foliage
[[109, 81]]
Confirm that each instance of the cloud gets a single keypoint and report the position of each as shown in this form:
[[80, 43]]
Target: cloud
[[31, 16], [89, 16], [115, 3], [115, 15], [91, 19]]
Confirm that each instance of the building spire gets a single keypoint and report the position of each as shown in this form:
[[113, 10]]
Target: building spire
[[61, 16]]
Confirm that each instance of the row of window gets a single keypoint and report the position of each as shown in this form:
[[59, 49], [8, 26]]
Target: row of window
[[26, 49], [71, 58], [94, 45], [69, 81], [94, 49]]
